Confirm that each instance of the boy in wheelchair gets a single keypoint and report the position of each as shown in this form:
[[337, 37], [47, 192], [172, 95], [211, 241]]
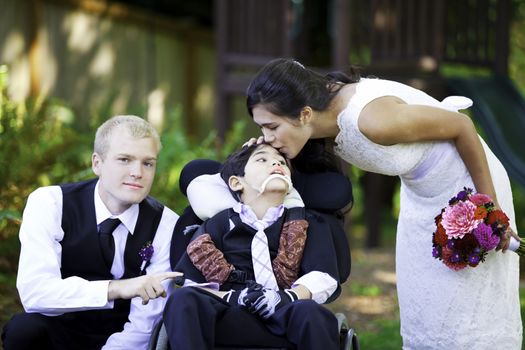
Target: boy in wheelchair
[[242, 290]]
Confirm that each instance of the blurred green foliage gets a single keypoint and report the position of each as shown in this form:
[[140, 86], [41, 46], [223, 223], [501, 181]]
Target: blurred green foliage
[[38, 147], [516, 69], [178, 149], [41, 145]]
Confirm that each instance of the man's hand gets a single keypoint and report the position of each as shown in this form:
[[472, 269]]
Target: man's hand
[[147, 287], [264, 304]]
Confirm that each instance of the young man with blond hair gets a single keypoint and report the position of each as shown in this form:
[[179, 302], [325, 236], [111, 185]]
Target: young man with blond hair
[[94, 254]]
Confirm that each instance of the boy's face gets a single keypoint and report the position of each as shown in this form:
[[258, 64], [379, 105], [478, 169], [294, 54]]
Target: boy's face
[[126, 171], [263, 162]]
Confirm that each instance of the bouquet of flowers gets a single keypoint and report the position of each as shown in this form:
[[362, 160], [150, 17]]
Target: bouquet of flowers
[[468, 228]]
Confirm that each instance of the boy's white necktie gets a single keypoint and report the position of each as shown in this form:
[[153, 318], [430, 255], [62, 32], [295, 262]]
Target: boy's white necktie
[[262, 265]]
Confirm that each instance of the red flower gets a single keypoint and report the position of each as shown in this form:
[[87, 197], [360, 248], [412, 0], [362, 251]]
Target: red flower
[[437, 219], [447, 255], [497, 217], [440, 236]]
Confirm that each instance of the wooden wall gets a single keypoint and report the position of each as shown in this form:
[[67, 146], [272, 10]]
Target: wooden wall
[[103, 59]]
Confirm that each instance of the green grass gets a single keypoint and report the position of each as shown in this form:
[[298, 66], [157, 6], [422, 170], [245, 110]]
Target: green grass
[[370, 290], [386, 338]]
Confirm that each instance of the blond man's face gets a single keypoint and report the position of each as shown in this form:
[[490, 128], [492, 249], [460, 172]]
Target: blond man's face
[[126, 171]]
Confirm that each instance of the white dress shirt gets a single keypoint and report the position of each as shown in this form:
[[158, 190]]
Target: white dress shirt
[[39, 280]]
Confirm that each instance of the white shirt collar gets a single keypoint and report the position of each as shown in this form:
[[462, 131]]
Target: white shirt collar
[[128, 217], [248, 216]]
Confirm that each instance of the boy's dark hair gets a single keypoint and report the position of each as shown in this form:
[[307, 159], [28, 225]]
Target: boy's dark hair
[[234, 166], [236, 162]]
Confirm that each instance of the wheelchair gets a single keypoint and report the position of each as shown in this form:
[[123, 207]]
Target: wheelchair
[[314, 197]]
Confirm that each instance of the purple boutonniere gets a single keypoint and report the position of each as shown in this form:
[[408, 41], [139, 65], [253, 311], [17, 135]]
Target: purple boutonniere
[[145, 253]]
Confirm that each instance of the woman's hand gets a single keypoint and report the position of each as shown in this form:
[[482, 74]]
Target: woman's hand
[[505, 240], [254, 141]]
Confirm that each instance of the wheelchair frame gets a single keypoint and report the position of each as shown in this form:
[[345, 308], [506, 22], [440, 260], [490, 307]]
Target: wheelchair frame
[[347, 337]]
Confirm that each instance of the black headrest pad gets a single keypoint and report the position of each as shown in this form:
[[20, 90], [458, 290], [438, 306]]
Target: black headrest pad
[[196, 168]]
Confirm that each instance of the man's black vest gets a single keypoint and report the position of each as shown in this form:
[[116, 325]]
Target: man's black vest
[[81, 253]]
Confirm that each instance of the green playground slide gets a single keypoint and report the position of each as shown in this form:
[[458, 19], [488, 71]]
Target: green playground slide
[[499, 109]]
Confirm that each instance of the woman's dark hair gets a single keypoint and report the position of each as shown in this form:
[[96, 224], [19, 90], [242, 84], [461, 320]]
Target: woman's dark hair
[[284, 87]]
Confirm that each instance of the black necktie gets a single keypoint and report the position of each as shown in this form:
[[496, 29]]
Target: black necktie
[[107, 243]]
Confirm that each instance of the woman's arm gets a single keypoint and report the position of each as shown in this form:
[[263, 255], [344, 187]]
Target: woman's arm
[[388, 121]]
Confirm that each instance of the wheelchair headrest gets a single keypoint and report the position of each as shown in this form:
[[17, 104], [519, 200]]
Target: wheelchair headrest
[[328, 191], [196, 168]]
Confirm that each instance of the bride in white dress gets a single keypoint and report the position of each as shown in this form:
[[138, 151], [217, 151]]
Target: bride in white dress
[[390, 128]]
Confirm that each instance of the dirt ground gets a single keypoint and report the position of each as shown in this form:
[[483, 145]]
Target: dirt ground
[[370, 292]]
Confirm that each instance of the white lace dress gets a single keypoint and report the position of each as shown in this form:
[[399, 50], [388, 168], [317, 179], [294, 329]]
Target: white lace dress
[[474, 308]]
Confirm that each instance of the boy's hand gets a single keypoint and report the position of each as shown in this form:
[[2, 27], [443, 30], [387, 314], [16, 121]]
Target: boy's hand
[[264, 304], [236, 297]]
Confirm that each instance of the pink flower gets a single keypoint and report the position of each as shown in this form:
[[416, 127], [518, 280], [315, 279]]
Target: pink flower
[[480, 199], [458, 219]]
